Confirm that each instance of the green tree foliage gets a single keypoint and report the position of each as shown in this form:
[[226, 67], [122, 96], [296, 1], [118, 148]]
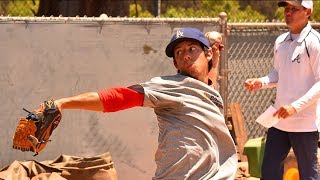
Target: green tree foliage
[[208, 9], [279, 14], [22, 8], [316, 11], [232, 8], [137, 11]]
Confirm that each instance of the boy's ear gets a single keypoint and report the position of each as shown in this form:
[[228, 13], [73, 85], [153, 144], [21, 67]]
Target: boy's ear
[[209, 54], [175, 63]]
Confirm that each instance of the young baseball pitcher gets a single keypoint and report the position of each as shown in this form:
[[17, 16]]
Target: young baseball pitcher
[[194, 141]]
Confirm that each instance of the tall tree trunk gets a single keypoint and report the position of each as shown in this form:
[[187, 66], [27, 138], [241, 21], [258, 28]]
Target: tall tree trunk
[[49, 7], [3, 7], [110, 7]]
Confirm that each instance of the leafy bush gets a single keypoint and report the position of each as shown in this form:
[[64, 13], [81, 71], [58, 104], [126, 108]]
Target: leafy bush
[[22, 8]]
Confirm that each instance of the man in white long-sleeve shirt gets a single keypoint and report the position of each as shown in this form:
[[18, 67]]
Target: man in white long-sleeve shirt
[[296, 75]]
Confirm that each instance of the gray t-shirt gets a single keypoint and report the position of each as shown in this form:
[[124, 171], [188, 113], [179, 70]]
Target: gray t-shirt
[[194, 141]]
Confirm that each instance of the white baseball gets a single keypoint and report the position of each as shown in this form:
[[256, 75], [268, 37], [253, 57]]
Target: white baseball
[[213, 36], [104, 16]]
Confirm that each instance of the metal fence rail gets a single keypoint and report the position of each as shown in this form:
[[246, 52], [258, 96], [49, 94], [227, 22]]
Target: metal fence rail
[[105, 18]]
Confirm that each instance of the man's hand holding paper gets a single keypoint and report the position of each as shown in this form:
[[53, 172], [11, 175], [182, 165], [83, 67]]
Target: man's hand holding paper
[[267, 119]]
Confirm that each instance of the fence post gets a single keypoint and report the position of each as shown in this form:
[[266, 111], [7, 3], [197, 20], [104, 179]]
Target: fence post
[[158, 8], [223, 68]]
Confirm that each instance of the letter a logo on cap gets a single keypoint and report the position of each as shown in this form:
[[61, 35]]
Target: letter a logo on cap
[[179, 34]]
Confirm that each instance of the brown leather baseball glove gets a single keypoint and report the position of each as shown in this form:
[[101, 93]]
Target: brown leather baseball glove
[[34, 130]]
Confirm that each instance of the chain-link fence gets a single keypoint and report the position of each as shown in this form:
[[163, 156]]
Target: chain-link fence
[[250, 54]]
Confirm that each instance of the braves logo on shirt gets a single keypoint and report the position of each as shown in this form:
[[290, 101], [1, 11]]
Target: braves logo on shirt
[[216, 99], [297, 59]]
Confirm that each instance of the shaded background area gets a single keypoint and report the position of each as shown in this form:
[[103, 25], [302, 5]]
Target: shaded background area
[[42, 60]]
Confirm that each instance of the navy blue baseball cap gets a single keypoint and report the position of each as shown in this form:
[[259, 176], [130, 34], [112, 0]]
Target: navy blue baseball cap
[[185, 34]]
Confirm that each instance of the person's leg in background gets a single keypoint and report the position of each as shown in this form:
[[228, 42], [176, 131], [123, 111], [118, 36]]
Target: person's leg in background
[[305, 147], [276, 150]]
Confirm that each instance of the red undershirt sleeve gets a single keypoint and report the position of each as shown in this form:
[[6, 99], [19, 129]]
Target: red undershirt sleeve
[[115, 99]]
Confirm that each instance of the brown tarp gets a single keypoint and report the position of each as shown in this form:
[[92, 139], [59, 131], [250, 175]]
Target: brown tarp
[[64, 167]]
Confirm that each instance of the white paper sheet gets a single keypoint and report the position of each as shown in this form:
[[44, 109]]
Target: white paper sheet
[[266, 119]]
